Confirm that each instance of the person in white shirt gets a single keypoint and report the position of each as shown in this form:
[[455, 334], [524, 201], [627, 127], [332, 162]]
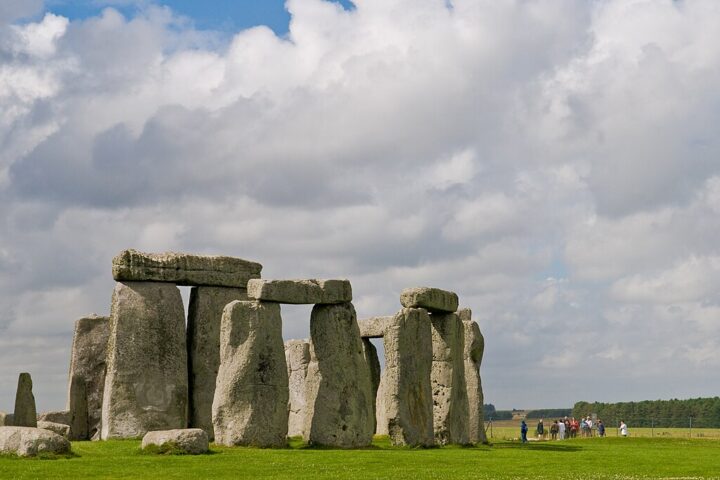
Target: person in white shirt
[[561, 430], [623, 429], [589, 425]]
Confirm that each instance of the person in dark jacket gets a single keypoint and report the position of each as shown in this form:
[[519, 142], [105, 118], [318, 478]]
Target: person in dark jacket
[[523, 431], [540, 430]]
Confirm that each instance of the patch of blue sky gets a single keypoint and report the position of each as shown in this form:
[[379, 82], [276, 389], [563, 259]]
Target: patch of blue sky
[[227, 16]]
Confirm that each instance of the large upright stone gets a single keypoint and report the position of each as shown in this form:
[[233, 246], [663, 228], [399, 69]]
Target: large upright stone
[[251, 394], [431, 299], [297, 356], [407, 394], [450, 401], [184, 269], [381, 424], [373, 363], [338, 384], [472, 357], [298, 292], [374, 327], [146, 386], [87, 376], [25, 412], [203, 341]]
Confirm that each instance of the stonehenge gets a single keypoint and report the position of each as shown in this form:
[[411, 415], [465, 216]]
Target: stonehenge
[[30, 441], [223, 372]]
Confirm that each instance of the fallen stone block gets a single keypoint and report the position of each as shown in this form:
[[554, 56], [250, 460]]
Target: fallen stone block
[[374, 327], [30, 441], [87, 376], [338, 385], [184, 269], [431, 299], [251, 393], [406, 387], [472, 357], [25, 414], [203, 341], [193, 441], [59, 428], [146, 386], [300, 291], [297, 357], [450, 401], [60, 416]]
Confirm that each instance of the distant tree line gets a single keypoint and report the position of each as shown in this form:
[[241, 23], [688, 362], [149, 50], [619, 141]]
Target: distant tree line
[[491, 414], [705, 412], [549, 413]]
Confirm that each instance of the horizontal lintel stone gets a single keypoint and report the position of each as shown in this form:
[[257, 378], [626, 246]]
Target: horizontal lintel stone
[[432, 299], [374, 327], [300, 291], [184, 269]]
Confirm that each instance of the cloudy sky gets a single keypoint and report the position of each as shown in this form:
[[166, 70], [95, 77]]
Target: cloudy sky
[[556, 163]]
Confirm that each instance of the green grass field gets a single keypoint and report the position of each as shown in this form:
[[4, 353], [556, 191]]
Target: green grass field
[[596, 458]]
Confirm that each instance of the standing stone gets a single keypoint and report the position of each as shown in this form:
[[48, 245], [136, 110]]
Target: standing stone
[[338, 385], [80, 418], [450, 400], [373, 363], [251, 394], [297, 356], [203, 341], [381, 424], [408, 399], [3, 419], [25, 412], [472, 357], [87, 376], [146, 386]]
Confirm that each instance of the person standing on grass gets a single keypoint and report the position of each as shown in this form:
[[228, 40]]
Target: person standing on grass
[[623, 429], [561, 430], [601, 428], [523, 431], [554, 430], [540, 430]]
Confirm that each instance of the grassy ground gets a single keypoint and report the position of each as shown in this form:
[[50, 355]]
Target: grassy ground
[[583, 458]]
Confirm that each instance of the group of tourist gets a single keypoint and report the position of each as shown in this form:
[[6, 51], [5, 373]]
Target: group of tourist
[[570, 428]]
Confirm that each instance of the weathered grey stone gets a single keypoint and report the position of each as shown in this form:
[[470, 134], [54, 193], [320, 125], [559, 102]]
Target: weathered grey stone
[[450, 401], [59, 428], [300, 291], [61, 416], [374, 327], [381, 424], [3, 419], [25, 414], [203, 341], [338, 384], [191, 440], [251, 393], [184, 269], [9, 420], [87, 376], [472, 358], [431, 299], [408, 399], [29, 441], [297, 357], [146, 385], [373, 363]]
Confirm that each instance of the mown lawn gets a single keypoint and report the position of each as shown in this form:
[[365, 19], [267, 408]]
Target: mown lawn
[[582, 458]]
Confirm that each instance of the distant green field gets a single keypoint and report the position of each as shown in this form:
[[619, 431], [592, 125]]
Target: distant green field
[[510, 429], [612, 457]]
